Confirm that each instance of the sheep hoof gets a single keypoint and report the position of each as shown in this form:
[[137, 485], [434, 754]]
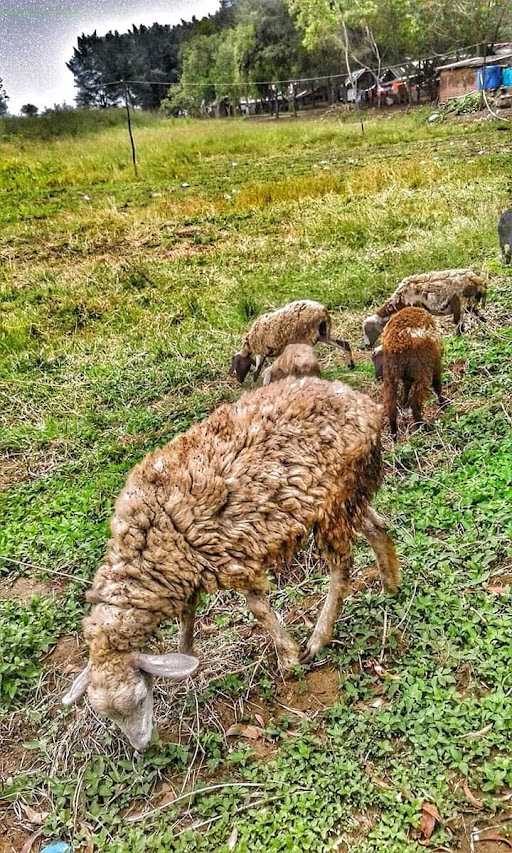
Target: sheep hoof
[[310, 652], [443, 402], [351, 365]]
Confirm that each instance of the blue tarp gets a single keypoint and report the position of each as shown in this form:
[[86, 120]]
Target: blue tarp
[[507, 78], [489, 77]]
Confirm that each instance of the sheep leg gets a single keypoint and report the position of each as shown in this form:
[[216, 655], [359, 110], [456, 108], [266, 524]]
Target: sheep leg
[[407, 385], [437, 385], [287, 650], [390, 402], [340, 343], [374, 529], [188, 615], [458, 313], [340, 562], [416, 401], [478, 314], [260, 361]]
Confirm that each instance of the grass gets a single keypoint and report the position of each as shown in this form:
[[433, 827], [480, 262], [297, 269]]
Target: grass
[[121, 303]]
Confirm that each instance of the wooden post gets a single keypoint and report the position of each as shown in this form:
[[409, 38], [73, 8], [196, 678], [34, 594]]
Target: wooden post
[[130, 134]]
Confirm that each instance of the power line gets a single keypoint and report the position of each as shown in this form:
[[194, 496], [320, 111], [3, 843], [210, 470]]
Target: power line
[[318, 77]]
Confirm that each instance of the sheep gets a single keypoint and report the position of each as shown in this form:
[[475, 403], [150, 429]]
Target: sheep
[[442, 292], [295, 360], [303, 321], [505, 236], [411, 356], [215, 509]]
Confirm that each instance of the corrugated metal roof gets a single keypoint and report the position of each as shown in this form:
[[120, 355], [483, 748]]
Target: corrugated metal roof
[[477, 62]]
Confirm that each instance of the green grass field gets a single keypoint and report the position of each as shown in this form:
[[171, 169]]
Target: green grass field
[[122, 301]]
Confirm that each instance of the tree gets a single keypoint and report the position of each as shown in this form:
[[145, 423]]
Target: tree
[[4, 97], [464, 23], [151, 56], [29, 110], [396, 29]]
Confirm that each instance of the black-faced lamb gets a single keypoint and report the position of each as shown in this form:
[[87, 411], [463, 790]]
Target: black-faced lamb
[[300, 322], [217, 508], [295, 360], [505, 236], [441, 293], [409, 360]]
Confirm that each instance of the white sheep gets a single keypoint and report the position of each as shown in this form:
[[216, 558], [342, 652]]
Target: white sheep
[[443, 292], [217, 508], [300, 322]]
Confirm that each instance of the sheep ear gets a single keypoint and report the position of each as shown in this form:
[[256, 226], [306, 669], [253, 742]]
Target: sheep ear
[[175, 666], [378, 362], [78, 688]]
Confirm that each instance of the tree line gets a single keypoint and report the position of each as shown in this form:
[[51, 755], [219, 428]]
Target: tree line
[[248, 45]]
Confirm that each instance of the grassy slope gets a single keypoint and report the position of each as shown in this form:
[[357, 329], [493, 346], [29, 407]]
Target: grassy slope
[[121, 303]]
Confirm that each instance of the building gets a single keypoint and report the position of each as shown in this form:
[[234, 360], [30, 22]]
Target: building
[[462, 77]]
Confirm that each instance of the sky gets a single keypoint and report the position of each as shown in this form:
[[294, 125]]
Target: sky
[[38, 36]]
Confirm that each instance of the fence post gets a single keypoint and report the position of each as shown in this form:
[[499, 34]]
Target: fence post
[[130, 134]]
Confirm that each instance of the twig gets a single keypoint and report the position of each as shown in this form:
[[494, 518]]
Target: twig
[[408, 608], [198, 746], [384, 637], [56, 572], [190, 795], [245, 807]]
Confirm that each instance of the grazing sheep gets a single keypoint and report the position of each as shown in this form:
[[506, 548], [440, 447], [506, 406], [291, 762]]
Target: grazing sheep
[[505, 236], [411, 357], [216, 508], [443, 292], [300, 322], [295, 360]]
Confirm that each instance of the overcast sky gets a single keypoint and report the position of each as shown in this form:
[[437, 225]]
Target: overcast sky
[[37, 37]]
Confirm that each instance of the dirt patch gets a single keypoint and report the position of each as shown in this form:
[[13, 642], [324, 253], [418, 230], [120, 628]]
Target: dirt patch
[[473, 843], [22, 589], [12, 839], [15, 470], [319, 690], [68, 655]]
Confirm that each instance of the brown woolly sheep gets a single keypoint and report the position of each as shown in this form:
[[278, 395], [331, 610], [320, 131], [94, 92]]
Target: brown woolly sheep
[[442, 292], [295, 360], [300, 322], [410, 356], [216, 508]]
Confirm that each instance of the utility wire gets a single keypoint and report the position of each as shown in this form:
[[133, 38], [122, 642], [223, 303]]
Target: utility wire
[[226, 84]]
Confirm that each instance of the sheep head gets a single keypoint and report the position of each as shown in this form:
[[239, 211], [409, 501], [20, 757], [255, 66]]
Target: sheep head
[[240, 366], [121, 688], [372, 329]]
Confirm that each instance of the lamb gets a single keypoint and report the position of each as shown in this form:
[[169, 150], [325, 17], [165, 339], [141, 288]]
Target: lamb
[[295, 360], [303, 321], [442, 292], [505, 236], [411, 356], [215, 509]]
